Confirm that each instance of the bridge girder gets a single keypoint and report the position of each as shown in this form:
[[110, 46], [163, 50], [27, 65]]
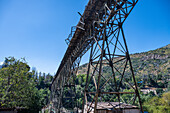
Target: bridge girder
[[99, 29]]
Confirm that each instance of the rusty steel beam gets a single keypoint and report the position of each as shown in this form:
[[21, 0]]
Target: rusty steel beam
[[99, 29]]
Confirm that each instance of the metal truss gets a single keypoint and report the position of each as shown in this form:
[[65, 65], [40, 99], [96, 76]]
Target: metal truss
[[110, 51], [63, 88], [100, 29], [69, 99]]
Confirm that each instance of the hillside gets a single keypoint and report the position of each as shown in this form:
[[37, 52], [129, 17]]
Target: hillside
[[152, 72], [154, 63]]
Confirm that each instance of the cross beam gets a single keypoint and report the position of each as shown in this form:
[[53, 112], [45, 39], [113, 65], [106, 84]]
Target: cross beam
[[100, 29]]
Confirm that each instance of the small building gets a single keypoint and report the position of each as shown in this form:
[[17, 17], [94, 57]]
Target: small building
[[112, 107], [147, 90]]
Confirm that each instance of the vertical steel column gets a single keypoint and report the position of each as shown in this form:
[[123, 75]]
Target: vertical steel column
[[109, 39], [108, 49], [87, 78], [100, 67], [131, 68]]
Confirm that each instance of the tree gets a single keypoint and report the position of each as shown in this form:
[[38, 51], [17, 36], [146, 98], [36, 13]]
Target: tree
[[165, 100], [18, 87], [159, 91], [15, 81], [160, 85], [158, 104]]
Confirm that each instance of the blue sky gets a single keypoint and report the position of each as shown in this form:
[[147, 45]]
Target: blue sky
[[37, 29]]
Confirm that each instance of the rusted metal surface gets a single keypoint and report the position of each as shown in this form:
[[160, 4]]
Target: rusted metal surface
[[99, 29]]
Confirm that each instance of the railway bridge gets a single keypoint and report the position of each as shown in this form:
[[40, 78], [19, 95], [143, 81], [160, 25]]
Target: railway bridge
[[100, 31]]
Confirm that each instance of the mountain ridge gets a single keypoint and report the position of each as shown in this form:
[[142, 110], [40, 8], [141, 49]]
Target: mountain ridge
[[153, 62]]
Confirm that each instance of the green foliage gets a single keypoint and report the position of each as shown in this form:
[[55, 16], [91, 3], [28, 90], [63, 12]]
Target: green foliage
[[159, 91], [15, 80], [152, 68], [156, 109], [158, 104], [20, 87], [160, 85]]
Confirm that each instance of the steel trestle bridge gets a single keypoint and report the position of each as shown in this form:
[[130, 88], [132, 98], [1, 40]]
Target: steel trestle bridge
[[99, 30]]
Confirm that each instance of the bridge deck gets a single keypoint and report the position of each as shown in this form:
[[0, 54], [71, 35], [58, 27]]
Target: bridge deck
[[88, 16], [101, 20]]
